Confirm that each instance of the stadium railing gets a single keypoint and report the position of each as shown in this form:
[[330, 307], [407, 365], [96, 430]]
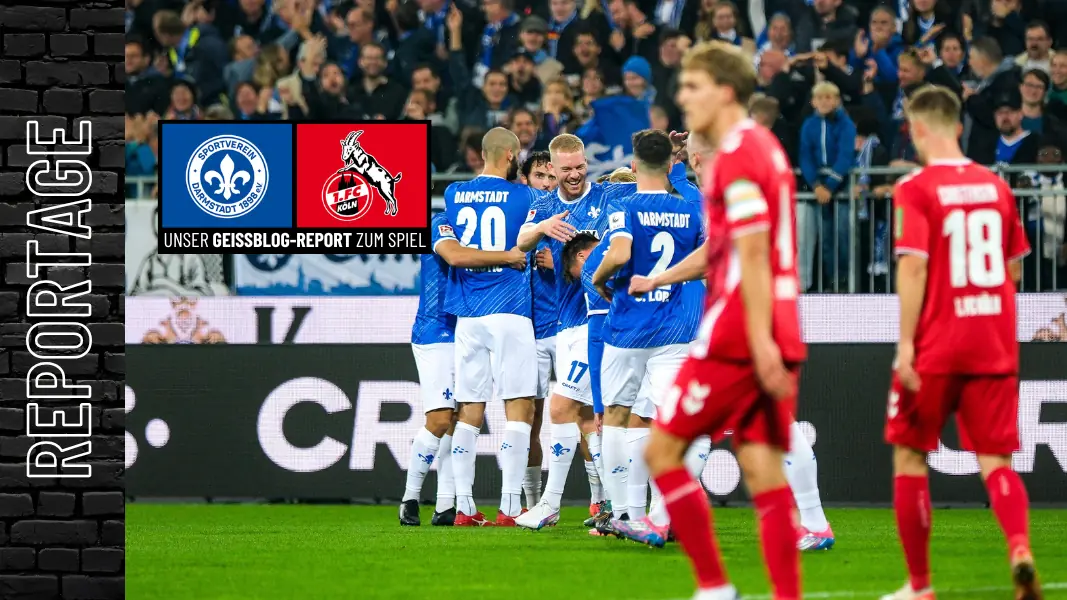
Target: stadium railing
[[1041, 191]]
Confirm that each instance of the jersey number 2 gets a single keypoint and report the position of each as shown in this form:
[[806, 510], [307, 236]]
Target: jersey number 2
[[492, 235], [976, 253], [663, 243]]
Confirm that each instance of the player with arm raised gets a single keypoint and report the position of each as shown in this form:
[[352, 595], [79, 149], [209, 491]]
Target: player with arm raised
[[743, 366], [577, 205], [495, 347], [432, 343], [960, 244]]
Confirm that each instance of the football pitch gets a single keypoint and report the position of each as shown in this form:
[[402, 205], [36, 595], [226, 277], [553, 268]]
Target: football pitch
[[311, 552]]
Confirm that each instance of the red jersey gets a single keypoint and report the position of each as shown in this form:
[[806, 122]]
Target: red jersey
[[749, 186], [963, 219]]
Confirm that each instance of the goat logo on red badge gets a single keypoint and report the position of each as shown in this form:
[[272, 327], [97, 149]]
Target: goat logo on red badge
[[376, 178]]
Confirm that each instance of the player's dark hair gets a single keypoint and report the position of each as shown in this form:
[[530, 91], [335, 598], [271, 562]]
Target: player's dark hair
[[580, 242], [540, 157], [653, 149]]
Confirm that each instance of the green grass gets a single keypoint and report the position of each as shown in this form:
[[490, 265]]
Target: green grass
[[331, 552]]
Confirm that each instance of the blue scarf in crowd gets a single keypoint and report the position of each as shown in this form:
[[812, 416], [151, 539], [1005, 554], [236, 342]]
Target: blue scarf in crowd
[[490, 35], [555, 30]]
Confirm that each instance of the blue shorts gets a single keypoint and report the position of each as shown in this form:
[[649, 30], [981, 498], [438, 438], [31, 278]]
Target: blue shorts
[[596, 356]]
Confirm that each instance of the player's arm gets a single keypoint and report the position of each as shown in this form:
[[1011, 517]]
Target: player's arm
[[540, 223], [912, 232], [1017, 247], [618, 254], [457, 255]]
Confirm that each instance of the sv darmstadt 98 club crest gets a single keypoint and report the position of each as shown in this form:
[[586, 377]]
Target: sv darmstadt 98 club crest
[[227, 176]]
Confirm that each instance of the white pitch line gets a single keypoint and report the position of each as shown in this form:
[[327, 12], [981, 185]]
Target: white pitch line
[[851, 594]]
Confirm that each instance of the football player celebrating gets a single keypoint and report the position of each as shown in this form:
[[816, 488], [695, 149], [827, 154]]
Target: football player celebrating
[[960, 244]]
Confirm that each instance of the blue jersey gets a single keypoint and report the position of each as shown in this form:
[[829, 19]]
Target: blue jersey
[[589, 214], [664, 230], [545, 307], [594, 303], [689, 192], [432, 324], [487, 213]]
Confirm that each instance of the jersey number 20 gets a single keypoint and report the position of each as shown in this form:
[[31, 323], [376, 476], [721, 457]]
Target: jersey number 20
[[976, 252], [492, 234]]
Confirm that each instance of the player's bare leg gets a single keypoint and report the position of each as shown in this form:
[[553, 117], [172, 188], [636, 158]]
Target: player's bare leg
[[444, 514], [761, 465], [1010, 504], [531, 481], [464, 452], [564, 414], [428, 444], [911, 503], [514, 457], [688, 506]]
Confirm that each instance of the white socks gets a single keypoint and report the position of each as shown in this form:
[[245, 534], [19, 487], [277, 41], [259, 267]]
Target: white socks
[[531, 485], [514, 453], [802, 471], [657, 510], [464, 451], [697, 456], [446, 486], [423, 451], [616, 467], [636, 440], [593, 468], [562, 446]]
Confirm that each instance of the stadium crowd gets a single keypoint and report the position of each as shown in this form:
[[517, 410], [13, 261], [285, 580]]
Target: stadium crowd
[[834, 76]]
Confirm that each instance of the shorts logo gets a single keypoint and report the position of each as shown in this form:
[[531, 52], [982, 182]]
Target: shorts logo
[[347, 194], [227, 176], [694, 399]]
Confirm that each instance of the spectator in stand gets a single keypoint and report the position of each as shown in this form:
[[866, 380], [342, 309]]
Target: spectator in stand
[[588, 54], [593, 89], [500, 38], [1057, 92], [1005, 24], [672, 46], [247, 104], [482, 108], [637, 80], [243, 52], [873, 193], [523, 85], [950, 49], [780, 78], [433, 14], [182, 102], [779, 37], [722, 21], [1034, 90], [345, 48], [425, 78], [563, 33], [764, 110], [926, 19], [415, 44], [821, 20], [1015, 146], [832, 61], [533, 36], [142, 146], [883, 45], [659, 119], [1050, 246], [557, 113], [328, 100], [376, 95], [293, 88], [252, 18], [146, 88], [194, 51], [674, 14], [827, 153], [522, 122], [420, 105], [471, 160], [634, 34], [1039, 50], [997, 76]]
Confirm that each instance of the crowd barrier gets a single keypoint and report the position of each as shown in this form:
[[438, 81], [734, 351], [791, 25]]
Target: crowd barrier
[[862, 223]]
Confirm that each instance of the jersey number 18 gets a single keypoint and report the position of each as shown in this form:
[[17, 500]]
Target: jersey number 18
[[976, 253]]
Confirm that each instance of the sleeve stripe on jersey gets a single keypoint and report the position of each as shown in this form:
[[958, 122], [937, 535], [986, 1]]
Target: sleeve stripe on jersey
[[527, 226], [599, 311], [1021, 255], [915, 251], [746, 209], [744, 230], [616, 234], [444, 239]]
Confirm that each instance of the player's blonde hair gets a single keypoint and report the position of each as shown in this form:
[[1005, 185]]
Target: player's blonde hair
[[936, 106], [726, 64], [622, 175], [565, 143]]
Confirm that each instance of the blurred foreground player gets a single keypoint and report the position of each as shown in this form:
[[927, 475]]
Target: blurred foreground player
[[742, 370], [960, 244]]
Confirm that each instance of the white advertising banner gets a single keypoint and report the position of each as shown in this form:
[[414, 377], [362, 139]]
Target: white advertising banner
[[326, 274], [387, 320], [149, 273]]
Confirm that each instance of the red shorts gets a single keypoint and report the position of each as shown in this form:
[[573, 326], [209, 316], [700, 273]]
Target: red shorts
[[986, 407], [711, 396]]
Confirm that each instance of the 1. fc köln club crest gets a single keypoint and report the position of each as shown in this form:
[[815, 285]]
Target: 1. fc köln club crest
[[362, 175], [349, 193]]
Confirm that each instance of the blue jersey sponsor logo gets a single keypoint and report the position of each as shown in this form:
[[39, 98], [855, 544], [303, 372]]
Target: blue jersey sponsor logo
[[663, 230], [432, 324], [232, 175], [487, 213]]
